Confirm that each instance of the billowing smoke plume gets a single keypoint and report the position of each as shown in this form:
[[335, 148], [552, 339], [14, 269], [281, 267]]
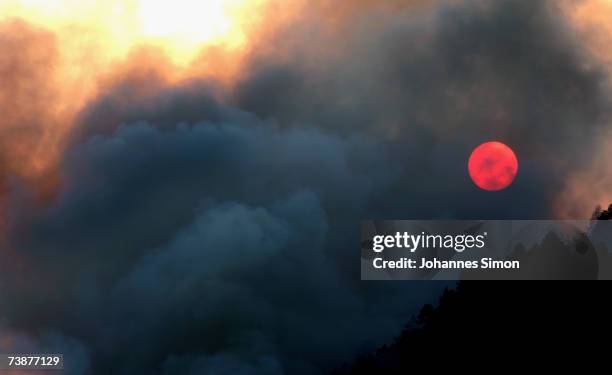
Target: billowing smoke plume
[[205, 227]]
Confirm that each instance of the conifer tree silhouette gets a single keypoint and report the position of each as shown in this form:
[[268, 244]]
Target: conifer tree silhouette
[[497, 316]]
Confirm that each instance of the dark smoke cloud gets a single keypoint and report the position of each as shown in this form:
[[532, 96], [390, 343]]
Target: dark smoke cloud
[[212, 243], [439, 83], [207, 230]]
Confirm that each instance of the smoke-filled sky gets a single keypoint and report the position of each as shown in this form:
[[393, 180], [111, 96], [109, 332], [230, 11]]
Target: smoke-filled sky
[[181, 182]]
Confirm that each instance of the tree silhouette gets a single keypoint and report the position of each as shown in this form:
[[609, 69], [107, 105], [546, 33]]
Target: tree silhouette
[[603, 215], [501, 320], [495, 320]]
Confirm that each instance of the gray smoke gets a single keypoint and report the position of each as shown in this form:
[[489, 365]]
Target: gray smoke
[[198, 230]]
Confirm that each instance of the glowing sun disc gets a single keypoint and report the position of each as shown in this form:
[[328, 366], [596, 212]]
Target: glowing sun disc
[[493, 166]]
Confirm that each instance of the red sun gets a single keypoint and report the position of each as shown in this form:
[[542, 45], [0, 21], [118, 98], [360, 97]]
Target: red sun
[[493, 166]]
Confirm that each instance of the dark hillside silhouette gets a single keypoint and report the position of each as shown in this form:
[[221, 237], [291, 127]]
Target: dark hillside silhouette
[[497, 321], [603, 215]]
